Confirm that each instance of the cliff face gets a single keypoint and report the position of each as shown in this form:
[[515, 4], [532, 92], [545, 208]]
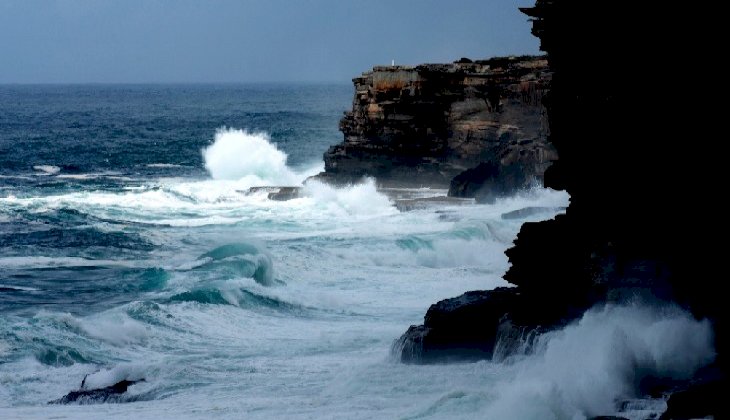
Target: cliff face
[[619, 118], [423, 125], [622, 158]]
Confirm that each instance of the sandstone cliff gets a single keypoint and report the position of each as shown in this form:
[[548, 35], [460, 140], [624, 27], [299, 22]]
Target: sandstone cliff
[[423, 125]]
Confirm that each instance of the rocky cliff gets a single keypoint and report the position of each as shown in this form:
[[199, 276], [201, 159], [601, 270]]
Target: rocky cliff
[[619, 117], [423, 125]]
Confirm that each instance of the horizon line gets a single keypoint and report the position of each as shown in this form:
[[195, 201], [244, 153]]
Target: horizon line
[[252, 82]]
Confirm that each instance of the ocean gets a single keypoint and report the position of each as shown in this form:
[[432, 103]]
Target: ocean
[[131, 248]]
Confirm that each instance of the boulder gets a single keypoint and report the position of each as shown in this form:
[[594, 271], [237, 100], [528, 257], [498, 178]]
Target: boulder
[[705, 400], [469, 327], [489, 181]]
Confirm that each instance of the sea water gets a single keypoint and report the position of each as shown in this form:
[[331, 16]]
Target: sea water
[[132, 248]]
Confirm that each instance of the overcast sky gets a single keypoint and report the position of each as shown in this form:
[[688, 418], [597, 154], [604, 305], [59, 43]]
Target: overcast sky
[[61, 41]]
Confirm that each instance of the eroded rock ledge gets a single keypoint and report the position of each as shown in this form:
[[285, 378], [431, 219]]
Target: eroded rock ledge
[[424, 125]]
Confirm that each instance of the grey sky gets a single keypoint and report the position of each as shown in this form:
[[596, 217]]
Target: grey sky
[[246, 40]]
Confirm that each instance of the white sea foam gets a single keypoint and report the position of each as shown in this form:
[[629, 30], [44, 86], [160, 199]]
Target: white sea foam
[[108, 377], [115, 328], [359, 199], [116, 176], [213, 202], [47, 169], [18, 288], [584, 369], [36, 262], [163, 165], [249, 158]]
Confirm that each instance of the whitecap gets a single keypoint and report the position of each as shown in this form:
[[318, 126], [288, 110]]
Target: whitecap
[[11, 287], [163, 165], [47, 169], [249, 158]]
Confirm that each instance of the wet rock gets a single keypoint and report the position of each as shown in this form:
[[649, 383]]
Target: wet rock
[[430, 202], [277, 193], [526, 212], [706, 400], [468, 327], [110, 394], [285, 194], [489, 181]]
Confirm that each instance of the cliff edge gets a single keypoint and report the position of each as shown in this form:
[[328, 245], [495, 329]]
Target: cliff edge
[[424, 125]]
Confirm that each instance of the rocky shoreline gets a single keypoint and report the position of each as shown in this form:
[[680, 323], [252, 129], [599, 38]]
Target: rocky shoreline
[[619, 240], [425, 125]]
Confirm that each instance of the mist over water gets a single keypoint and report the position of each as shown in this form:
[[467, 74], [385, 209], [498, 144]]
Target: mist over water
[[164, 267]]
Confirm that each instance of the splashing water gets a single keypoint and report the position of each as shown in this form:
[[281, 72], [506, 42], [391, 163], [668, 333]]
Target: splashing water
[[240, 155], [359, 199], [587, 367]]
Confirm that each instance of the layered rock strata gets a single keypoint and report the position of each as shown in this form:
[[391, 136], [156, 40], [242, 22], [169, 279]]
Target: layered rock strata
[[423, 125]]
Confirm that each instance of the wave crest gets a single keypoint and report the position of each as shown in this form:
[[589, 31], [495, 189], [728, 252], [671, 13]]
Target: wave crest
[[248, 157]]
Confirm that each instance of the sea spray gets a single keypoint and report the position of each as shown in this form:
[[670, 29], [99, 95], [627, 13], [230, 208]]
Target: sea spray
[[589, 366], [243, 155], [359, 199]]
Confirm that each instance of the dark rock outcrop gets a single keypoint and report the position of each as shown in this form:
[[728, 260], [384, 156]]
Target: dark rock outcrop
[[491, 180], [277, 193], [625, 229], [698, 401], [616, 116], [429, 202], [110, 394], [285, 194], [449, 332], [423, 125]]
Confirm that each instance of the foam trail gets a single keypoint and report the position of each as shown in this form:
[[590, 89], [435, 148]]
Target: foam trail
[[14, 288], [360, 199], [249, 157], [47, 169], [584, 369], [163, 165]]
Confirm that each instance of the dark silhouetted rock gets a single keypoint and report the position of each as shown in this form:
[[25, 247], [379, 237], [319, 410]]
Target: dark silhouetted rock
[[285, 194], [637, 224], [277, 193], [111, 394], [489, 181], [468, 327], [698, 401]]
